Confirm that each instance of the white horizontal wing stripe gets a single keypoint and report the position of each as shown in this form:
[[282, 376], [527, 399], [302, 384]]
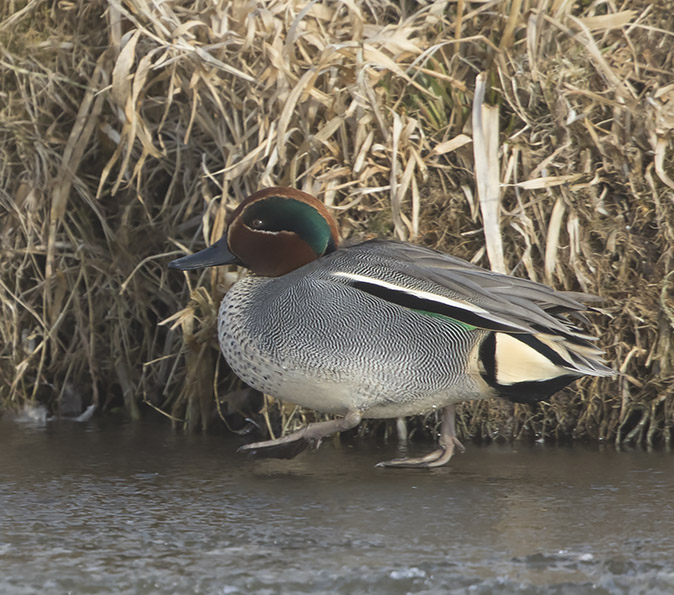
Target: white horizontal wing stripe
[[426, 295]]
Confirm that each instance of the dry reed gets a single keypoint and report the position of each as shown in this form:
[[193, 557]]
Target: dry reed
[[533, 137]]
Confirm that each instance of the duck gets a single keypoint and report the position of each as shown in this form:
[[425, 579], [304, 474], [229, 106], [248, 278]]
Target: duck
[[382, 328]]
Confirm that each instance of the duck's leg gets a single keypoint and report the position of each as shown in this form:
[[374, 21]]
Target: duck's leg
[[447, 443], [293, 444]]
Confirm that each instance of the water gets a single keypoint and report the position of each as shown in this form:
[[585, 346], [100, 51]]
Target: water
[[138, 509]]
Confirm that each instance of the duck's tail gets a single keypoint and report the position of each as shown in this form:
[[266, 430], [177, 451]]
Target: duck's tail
[[526, 368]]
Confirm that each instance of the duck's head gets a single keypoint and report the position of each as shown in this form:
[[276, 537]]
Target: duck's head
[[272, 232]]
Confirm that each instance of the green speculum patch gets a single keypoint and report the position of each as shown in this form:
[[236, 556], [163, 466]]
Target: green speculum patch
[[465, 325]]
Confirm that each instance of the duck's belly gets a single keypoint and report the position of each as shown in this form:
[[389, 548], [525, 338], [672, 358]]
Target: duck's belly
[[334, 349]]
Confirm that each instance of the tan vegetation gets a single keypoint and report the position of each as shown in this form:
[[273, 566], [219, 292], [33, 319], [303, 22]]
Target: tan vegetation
[[129, 128]]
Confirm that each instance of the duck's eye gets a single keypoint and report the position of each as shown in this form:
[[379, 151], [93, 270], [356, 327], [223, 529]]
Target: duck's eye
[[257, 224]]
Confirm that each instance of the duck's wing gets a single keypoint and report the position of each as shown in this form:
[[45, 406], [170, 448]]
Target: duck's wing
[[439, 284]]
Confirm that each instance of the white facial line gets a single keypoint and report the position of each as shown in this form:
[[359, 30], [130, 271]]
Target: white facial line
[[266, 231], [421, 294]]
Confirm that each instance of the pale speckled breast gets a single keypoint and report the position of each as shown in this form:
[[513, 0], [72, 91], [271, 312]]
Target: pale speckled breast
[[314, 341]]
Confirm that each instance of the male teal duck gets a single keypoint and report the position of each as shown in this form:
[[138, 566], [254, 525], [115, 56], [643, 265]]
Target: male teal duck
[[381, 329]]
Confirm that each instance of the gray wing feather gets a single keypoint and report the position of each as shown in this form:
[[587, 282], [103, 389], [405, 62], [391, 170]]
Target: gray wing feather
[[521, 305], [521, 302]]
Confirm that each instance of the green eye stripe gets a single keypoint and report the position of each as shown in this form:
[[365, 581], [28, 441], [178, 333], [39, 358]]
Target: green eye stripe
[[287, 214]]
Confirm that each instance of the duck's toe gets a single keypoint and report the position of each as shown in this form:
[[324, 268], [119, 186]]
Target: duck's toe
[[290, 446], [275, 449], [437, 458]]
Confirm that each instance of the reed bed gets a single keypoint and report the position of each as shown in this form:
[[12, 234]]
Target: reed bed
[[530, 137]]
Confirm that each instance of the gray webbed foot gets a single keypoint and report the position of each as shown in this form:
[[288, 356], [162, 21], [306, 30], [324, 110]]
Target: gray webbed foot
[[273, 449], [437, 458], [293, 444], [447, 443]]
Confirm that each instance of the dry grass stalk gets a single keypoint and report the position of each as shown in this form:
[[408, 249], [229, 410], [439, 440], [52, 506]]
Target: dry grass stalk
[[128, 129], [487, 177]]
